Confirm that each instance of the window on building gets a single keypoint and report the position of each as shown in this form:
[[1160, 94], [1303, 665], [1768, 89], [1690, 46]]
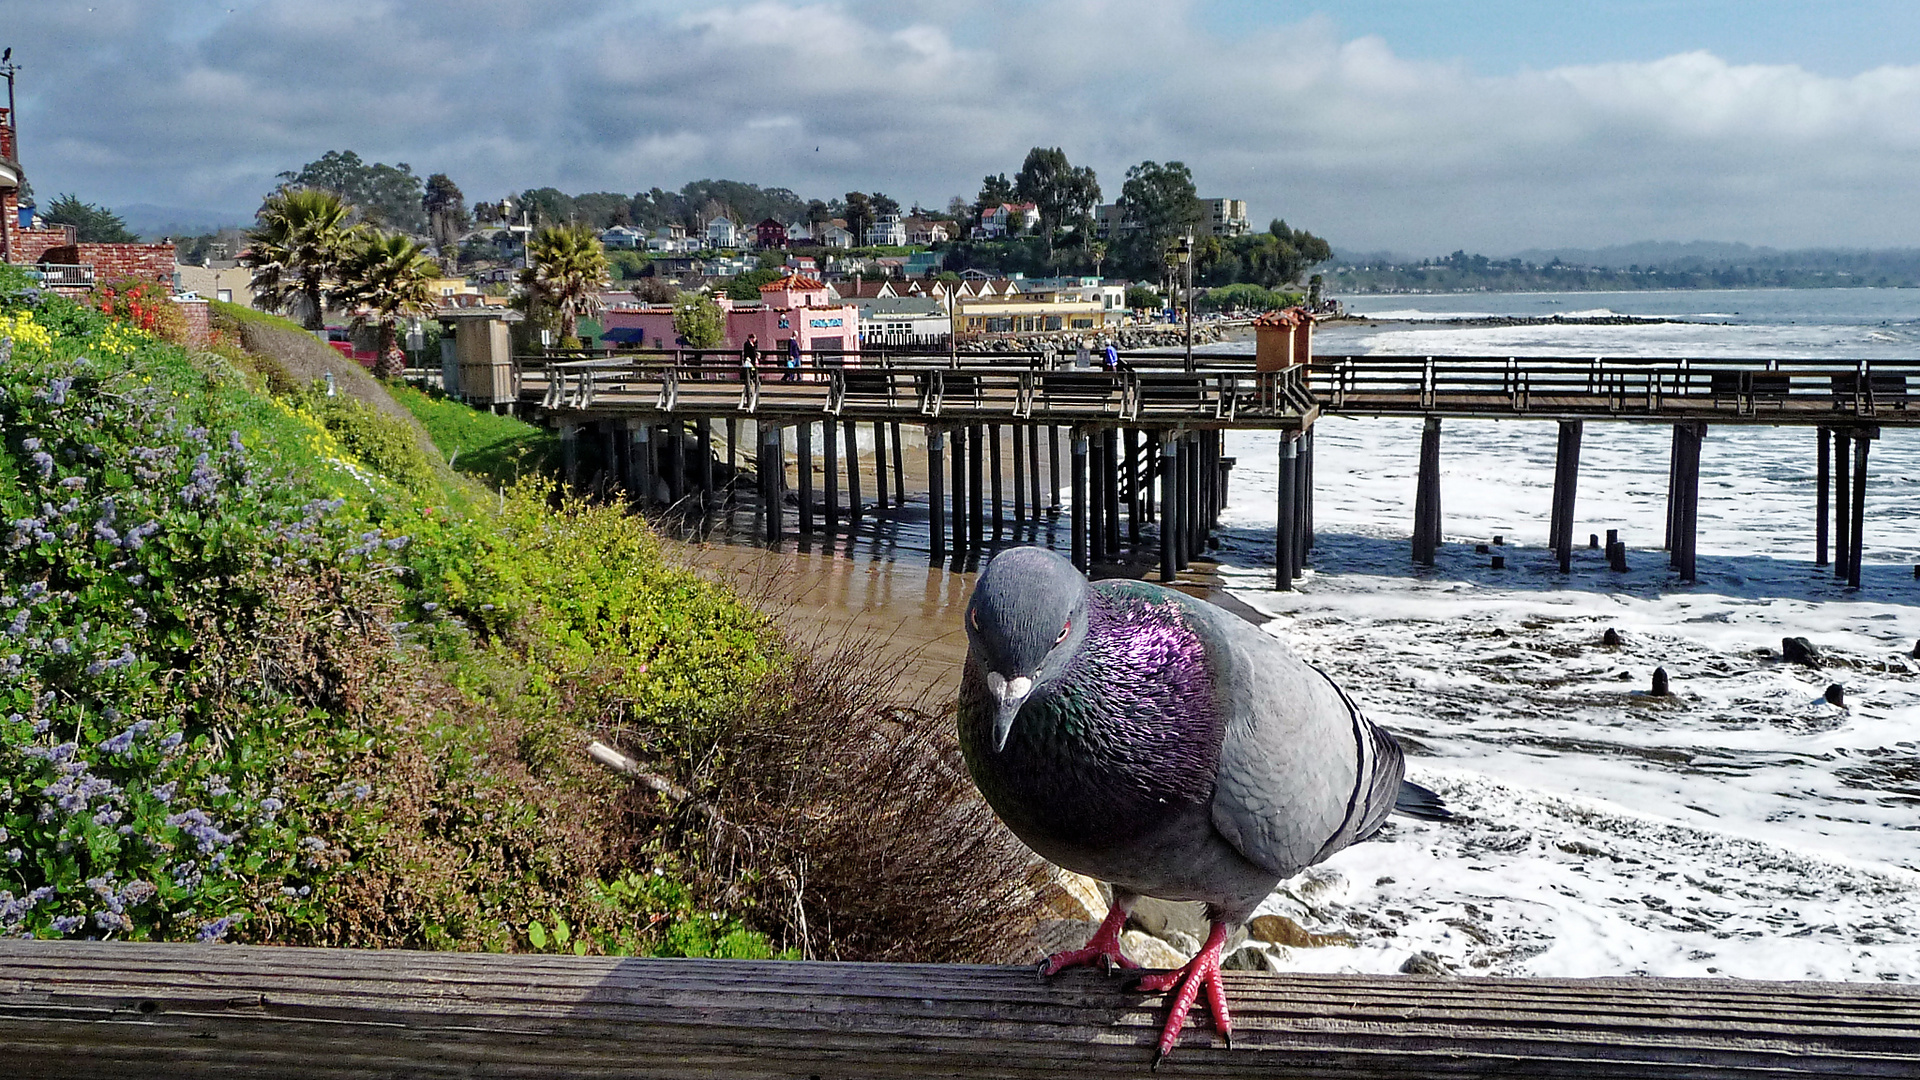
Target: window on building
[[226, 296]]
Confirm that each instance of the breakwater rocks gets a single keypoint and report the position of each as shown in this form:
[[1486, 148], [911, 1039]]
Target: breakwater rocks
[[1523, 320], [1124, 338]]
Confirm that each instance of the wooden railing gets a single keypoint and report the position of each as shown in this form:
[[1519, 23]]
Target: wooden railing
[[75, 1010], [895, 387], [1749, 389]]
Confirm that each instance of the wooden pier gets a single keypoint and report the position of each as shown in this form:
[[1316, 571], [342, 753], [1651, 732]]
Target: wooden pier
[[1147, 437], [122, 1011]]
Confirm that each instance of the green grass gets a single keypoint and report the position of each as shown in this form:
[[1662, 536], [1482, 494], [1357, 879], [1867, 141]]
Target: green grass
[[240, 313], [493, 448]]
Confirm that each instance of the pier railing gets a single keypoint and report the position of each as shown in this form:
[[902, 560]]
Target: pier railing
[[897, 388], [1157, 389], [113, 1009], [1763, 390]]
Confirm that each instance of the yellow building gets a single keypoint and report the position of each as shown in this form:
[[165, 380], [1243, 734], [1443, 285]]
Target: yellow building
[[1010, 315]]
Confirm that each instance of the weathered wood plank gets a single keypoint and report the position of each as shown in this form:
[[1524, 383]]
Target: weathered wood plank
[[75, 1010]]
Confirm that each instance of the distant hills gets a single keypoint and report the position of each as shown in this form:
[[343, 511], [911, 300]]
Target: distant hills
[[154, 222], [1646, 265]]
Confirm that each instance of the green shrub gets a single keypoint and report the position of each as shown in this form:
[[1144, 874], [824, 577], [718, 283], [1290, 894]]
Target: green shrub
[[379, 441]]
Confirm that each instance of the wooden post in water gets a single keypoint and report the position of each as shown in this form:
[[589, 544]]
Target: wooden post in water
[[854, 509], [1821, 471], [1096, 497], [993, 463], [936, 505], [1169, 558], [830, 473], [803, 462], [1019, 480], [899, 470], [879, 466], [1133, 489], [1110, 476], [1566, 484], [1053, 469], [1033, 473], [1283, 527], [771, 468], [1686, 518], [959, 492], [1306, 492], [976, 462], [1859, 530], [1177, 514], [1195, 517], [1079, 509], [1842, 493], [1426, 495], [1673, 489]]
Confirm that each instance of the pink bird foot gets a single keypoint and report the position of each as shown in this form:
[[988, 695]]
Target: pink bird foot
[[1203, 971], [1103, 947]]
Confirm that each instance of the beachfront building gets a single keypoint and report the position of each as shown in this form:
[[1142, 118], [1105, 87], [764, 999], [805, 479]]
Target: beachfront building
[[922, 233], [722, 233], [833, 236], [792, 307], [1111, 298], [903, 320], [672, 239], [1021, 315]]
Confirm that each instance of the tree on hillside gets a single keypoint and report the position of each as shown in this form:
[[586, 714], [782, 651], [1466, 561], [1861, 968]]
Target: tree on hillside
[[602, 209], [1159, 203], [1061, 191], [388, 195], [1274, 258], [859, 215], [883, 204], [818, 214], [296, 249], [93, 224], [745, 288], [566, 269], [385, 277], [994, 190], [544, 206], [446, 208]]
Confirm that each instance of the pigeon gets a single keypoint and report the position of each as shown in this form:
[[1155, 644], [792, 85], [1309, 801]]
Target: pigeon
[[1153, 741]]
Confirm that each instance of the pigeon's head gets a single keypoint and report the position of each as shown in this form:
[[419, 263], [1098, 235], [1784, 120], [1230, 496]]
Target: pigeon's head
[[1027, 617]]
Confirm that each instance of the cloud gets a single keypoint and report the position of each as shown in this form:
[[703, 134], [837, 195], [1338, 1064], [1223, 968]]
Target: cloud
[[190, 104]]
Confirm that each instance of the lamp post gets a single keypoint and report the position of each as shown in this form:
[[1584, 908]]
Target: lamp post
[[1185, 251]]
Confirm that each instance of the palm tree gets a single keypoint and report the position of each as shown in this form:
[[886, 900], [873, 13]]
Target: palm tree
[[388, 276], [566, 269], [296, 250]]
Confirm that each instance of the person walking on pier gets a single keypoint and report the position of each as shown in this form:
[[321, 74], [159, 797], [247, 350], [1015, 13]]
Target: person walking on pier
[[793, 360]]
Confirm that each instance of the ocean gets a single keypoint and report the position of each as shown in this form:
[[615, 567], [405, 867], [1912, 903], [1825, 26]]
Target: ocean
[[1742, 827]]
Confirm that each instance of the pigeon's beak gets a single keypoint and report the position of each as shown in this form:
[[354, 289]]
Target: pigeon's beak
[[1011, 694]]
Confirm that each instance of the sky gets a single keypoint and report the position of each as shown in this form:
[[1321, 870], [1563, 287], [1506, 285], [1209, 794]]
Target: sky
[[1414, 126]]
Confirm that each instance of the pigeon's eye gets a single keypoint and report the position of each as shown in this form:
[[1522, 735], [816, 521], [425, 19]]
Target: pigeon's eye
[[1064, 631]]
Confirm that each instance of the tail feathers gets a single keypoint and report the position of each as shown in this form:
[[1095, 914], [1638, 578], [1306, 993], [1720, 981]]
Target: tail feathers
[[1416, 801]]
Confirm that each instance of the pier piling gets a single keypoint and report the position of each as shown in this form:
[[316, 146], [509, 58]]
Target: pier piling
[[1858, 532], [959, 455], [1019, 480], [1169, 469], [1284, 531], [1821, 473], [1079, 508], [1033, 473], [643, 461], [1096, 492], [703, 446], [1566, 486], [880, 466], [936, 505], [803, 460], [1053, 469], [854, 509], [1426, 495], [830, 474], [976, 461], [1842, 510], [1110, 476], [993, 463]]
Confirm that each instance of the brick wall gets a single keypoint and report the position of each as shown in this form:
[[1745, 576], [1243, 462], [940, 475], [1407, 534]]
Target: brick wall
[[153, 262], [199, 326], [25, 246]]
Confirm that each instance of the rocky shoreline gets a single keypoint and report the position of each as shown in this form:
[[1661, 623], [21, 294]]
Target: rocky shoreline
[[1516, 320], [1124, 338]]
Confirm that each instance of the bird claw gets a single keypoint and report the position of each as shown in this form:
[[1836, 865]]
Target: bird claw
[[1202, 973], [1102, 948]]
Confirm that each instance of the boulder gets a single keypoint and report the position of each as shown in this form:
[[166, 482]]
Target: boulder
[[1798, 650], [1149, 951]]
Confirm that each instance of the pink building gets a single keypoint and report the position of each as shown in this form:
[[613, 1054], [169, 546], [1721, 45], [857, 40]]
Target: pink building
[[792, 307]]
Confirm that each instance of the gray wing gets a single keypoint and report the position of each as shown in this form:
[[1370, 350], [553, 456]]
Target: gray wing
[[1302, 773]]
